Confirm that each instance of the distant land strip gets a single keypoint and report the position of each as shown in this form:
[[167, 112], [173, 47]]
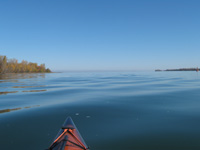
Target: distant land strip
[[181, 69], [13, 66]]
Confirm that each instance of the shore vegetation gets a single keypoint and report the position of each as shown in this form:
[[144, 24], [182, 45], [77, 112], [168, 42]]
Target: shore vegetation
[[13, 66], [181, 69]]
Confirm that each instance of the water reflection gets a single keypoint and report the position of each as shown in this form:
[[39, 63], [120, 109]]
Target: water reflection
[[15, 109], [9, 110], [4, 77], [35, 91], [27, 86], [7, 92], [28, 82]]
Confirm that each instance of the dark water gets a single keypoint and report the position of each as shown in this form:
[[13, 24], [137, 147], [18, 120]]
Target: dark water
[[112, 110]]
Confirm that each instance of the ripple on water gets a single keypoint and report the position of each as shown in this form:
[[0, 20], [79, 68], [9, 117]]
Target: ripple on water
[[129, 110]]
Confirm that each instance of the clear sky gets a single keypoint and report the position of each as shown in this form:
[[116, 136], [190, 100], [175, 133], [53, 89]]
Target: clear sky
[[102, 34]]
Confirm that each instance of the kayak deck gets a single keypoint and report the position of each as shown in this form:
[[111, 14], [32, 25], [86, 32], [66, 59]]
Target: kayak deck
[[68, 138]]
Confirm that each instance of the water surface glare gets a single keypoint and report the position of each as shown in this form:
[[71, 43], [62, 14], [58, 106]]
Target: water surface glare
[[112, 110]]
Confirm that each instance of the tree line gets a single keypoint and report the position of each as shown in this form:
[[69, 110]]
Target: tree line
[[13, 66]]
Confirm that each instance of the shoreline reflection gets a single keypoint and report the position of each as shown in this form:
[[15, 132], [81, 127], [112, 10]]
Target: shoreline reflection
[[15, 109], [7, 92], [23, 82]]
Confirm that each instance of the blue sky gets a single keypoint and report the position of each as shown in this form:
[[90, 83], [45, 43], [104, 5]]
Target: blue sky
[[102, 34]]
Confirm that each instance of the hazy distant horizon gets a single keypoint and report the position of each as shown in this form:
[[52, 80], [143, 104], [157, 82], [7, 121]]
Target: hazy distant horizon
[[63, 71]]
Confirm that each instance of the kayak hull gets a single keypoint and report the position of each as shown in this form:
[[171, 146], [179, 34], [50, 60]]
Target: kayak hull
[[68, 138]]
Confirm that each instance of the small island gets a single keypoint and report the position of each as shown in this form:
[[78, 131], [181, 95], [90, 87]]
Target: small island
[[181, 69], [13, 66]]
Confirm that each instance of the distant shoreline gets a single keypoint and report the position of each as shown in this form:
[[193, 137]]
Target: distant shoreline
[[26, 73], [181, 69]]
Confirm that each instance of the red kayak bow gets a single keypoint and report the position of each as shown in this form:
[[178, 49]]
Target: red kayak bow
[[68, 138]]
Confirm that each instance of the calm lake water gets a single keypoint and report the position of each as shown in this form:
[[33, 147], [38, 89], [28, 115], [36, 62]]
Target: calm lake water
[[112, 110]]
